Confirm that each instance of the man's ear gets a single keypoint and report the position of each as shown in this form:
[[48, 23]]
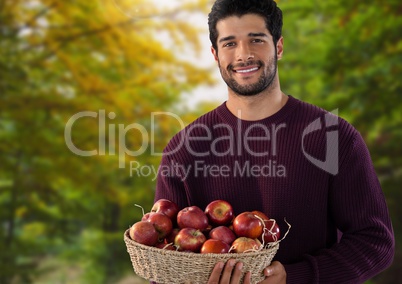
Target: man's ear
[[215, 53], [279, 48]]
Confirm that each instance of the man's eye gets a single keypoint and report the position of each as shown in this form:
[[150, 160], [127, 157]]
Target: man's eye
[[229, 44], [257, 40]]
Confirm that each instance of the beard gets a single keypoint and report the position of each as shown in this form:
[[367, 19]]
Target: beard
[[265, 81]]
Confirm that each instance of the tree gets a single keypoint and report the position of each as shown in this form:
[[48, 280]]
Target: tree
[[108, 67]]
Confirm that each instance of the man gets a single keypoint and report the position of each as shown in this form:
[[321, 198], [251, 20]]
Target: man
[[264, 150]]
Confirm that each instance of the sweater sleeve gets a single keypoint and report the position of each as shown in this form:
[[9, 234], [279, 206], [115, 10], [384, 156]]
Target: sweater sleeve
[[170, 182], [358, 208]]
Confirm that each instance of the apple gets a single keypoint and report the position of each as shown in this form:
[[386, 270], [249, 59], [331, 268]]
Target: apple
[[146, 216], [246, 224], [144, 232], [260, 214], [164, 245], [192, 217], [222, 233], [189, 239], [170, 238], [219, 212], [271, 232], [244, 244], [215, 246], [167, 207], [162, 224]]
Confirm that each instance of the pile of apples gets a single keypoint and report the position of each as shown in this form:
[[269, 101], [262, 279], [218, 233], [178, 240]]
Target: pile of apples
[[213, 230]]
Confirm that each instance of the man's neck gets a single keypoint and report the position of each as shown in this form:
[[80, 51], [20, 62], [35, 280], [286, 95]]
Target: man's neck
[[256, 107]]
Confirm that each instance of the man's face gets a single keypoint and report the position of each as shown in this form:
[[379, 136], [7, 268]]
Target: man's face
[[246, 55]]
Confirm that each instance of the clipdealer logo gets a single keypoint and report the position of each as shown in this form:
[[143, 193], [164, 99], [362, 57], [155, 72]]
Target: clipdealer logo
[[331, 163], [115, 144]]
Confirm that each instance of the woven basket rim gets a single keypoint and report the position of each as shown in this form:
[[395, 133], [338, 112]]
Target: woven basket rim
[[266, 249]]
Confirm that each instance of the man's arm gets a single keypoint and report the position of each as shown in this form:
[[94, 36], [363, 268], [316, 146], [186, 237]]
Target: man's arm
[[358, 208], [170, 184]]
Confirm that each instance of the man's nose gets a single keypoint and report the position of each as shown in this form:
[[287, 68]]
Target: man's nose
[[244, 52]]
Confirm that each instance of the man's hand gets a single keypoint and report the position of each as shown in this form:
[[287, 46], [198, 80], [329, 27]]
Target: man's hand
[[230, 273], [275, 274]]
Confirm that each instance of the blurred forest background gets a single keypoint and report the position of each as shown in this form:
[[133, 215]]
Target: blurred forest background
[[63, 215]]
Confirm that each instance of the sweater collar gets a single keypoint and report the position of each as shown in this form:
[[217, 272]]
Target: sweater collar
[[278, 117]]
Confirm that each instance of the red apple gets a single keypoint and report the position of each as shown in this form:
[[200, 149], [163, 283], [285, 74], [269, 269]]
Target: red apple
[[260, 214], [189, 239], [167, 207], [222, 233], [163, 245], [170, 238], [144, 233], [192, 217], [246, 224], [271, 232], [244, 244], [219, 212], [162, 224], [146, 216], [215, 246]]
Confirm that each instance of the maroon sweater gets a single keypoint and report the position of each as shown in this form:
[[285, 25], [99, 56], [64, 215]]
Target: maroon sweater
[[302, 164]]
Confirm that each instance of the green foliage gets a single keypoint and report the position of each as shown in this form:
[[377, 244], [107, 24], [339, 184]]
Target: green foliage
[[58, 59]]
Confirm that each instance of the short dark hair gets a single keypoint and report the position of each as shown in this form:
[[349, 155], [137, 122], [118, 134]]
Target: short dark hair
[[264, 8]]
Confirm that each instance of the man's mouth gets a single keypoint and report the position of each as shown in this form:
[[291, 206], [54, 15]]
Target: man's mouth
[[246, 70]]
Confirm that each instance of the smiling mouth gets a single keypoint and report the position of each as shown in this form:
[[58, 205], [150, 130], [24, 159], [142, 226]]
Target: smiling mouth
[[248, 70]]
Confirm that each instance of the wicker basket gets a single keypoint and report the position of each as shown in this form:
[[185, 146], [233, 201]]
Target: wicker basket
[[167, 266]]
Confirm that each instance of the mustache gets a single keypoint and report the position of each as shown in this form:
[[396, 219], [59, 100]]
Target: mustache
[[259, 63]]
